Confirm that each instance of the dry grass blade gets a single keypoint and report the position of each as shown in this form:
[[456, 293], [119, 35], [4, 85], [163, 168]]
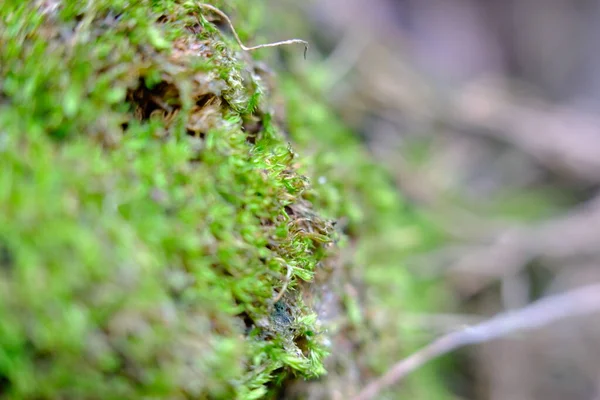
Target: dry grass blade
[[260, 46], [288, 277], [576, 302]]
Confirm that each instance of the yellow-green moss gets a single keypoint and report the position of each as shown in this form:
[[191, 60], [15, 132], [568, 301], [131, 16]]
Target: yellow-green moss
[[376, 289], [151, 212]]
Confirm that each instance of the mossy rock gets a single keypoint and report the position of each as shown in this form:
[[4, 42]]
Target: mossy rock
[[156, 237]]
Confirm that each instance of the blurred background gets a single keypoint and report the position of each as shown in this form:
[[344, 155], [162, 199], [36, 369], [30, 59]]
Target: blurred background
[[484, 115]]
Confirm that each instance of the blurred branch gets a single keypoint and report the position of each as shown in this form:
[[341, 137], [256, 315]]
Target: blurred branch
[[574, 234], [582, 301], [563, 139]]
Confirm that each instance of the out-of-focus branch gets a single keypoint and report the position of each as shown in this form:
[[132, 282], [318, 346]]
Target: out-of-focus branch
[[582, 301], [572, 235], [563, 139]]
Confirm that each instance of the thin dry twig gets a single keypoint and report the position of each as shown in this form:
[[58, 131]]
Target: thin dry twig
[[584, 300], [260, 46]]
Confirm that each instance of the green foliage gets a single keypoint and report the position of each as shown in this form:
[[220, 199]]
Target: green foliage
[[144, 233]]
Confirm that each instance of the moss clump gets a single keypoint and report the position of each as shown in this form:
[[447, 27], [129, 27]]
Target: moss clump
[[151, 211], [373, 286]]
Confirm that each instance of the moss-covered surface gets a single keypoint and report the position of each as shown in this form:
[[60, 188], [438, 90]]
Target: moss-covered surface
[[373, 286], [151, 211], [158, 236]]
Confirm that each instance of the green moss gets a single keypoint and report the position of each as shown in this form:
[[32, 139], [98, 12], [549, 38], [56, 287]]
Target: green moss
[[146, 227], [376, 288], [158, 236]]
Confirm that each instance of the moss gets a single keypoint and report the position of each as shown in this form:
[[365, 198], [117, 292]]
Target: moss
[[159, 236], [374, 287], [152, 211]]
